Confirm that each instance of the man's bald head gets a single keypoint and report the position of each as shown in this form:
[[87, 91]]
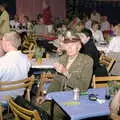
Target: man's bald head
[[13, 38]]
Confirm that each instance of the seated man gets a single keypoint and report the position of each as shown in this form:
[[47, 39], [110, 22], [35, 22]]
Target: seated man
[[13, 65], [74, 71]]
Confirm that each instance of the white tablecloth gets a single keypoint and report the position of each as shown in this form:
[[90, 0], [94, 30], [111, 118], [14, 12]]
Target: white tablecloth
[[46, 63], [102, 47]]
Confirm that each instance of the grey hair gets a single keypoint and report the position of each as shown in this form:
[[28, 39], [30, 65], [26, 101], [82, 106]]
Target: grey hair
[[14, 38]]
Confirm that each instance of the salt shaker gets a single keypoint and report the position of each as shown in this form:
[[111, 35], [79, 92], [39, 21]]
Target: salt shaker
[[76, 94]]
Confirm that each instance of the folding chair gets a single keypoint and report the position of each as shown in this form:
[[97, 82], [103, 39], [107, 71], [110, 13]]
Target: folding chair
[[108, 62], [14, 85], [22, 113]]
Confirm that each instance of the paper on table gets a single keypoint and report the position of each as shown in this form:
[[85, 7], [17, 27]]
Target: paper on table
[[101, 101], [71, 103]]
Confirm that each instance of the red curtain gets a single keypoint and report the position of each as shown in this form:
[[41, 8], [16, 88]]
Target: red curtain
[[33, 7]]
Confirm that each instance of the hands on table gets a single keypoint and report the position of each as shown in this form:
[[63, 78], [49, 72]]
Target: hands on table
[[59, 68]]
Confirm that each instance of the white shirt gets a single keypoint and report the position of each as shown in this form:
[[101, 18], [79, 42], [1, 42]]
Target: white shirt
[[105, 26], [88, 24], [14, 66], [14, 24], [70, 61], [114, 45], [98, 35]]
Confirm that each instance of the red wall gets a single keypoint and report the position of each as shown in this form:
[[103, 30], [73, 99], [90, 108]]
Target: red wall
[[32, 7]]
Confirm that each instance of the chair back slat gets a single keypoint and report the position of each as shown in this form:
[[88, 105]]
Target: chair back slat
[[17, 82], [29, 46], [108, 62], [102, 81], [24, 85], [21, 112], [12, 85], [17, 113], [19, 108], [101, 85]]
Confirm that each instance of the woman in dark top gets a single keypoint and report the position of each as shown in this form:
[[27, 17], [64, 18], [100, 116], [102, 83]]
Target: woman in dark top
[[90, 49]]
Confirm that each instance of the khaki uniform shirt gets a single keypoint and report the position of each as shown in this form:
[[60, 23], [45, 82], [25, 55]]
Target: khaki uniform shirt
[[4, 28]]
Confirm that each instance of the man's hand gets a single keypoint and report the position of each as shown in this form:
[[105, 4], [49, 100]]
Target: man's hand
[[60, 68], [40, 100]]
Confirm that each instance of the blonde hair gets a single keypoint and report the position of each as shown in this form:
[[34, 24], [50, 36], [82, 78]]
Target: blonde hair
[[14, 38], [117, 29], [115, 106]]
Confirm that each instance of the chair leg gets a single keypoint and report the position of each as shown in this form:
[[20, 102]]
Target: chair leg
[[52, 109], [1, 117]]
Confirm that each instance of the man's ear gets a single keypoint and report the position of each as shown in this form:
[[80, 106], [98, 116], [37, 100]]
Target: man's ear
[[8, 43]]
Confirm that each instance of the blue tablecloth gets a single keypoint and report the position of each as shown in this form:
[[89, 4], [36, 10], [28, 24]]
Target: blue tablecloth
[[84, 108], [12, 93]]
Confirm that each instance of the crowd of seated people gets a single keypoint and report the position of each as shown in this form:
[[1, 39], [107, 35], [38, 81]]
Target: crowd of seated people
[[96, 23], [114, 50], [78, 62]]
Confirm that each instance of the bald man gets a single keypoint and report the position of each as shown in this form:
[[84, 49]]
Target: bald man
[[13, 65]]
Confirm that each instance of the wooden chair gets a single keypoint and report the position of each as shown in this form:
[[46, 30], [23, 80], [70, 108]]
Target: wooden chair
[[98, 82], [29, 47], [14, 85], [22, 113], [29, 44], [108, 62], [44, 79]]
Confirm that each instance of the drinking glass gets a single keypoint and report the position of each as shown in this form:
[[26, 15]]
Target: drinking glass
[[107, 93]]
